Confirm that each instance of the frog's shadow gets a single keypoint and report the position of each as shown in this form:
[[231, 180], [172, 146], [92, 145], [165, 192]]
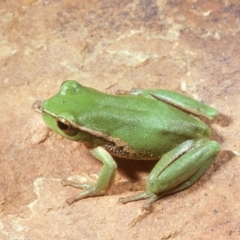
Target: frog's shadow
[[132, 173], [132, 168]]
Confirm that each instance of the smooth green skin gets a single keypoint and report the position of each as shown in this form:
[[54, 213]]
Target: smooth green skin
[[141, 124]]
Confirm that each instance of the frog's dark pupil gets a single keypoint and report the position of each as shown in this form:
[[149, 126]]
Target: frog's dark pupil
[[62, 126]]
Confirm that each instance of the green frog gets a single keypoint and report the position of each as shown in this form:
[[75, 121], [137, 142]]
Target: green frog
[[140, 124]]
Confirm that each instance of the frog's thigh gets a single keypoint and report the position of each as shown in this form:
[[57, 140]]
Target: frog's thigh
[[184, 171]]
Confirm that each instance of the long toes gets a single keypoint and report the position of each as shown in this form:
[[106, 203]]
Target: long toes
[[76, 185]]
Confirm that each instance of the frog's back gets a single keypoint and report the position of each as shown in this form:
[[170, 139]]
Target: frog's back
[[140, 127]]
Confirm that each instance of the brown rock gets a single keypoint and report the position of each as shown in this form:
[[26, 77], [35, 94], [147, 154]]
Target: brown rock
[[178, 45]]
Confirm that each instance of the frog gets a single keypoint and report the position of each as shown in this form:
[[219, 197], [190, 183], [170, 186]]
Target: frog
[[140, 124]]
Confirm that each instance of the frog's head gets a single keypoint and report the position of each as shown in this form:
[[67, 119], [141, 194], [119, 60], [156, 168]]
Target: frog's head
[[61, 111]]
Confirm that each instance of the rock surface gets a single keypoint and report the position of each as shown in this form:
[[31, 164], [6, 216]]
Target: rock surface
[[189, 46]]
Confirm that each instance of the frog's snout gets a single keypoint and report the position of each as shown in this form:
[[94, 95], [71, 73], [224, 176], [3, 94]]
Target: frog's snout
[[37, 106]]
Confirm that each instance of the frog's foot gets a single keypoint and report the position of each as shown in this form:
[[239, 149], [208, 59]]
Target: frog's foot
[[90, 190], [151, 198], [86, 179], [69, 183], [105, 179]]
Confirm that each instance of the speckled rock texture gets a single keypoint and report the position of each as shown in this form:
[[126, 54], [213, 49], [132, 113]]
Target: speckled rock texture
[[187, 46]]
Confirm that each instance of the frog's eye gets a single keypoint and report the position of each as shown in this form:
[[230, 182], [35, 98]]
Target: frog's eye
[[66, 127]]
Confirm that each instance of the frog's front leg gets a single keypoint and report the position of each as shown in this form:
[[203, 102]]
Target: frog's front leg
[[105, 179], [177, 170]]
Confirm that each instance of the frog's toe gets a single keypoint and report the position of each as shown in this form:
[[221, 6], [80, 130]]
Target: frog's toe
[[148, 204], [151, 198], [93, 191], [76, 185]]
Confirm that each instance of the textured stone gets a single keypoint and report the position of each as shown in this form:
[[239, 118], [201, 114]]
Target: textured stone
[[190, 46]]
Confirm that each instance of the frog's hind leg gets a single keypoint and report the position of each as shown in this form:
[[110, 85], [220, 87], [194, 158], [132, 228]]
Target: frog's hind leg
[[176, 171], [175, 99]]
